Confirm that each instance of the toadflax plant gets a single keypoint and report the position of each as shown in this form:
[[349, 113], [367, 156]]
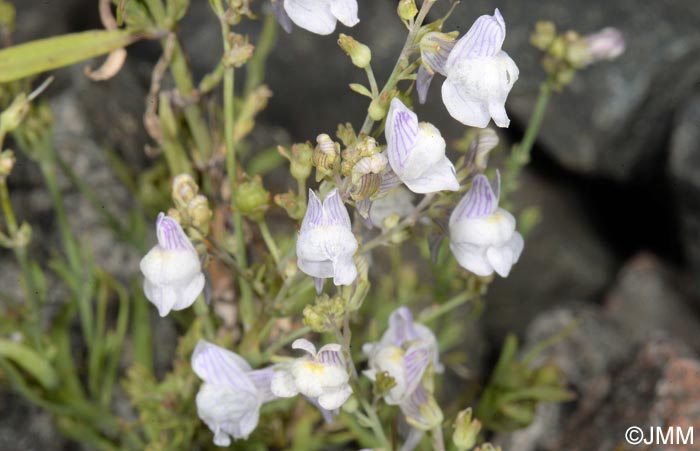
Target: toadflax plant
[[409, 229]]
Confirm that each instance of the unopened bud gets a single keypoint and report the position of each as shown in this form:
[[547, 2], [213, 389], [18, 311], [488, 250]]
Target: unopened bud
[[7, 162], [607, 44], [241, 51], [184, 189], [544, 34], [407, 9], [14, 114], [252, 199], [300, 160], [466, 430], [359, 53], [377, 110], [199, 212], [325, 154]]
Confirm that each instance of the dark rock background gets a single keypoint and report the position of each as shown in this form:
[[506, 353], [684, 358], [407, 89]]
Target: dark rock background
[[616, 173]]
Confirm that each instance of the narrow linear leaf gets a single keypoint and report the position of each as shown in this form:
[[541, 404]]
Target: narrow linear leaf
[[30, 361], [39, 56], [358, 88]]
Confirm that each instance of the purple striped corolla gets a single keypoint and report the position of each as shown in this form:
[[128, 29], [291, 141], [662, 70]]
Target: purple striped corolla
[[482, 235], [321, 376], [480, 75], [316, 16], [172, 270], [230, 398], [416, 152], [326, 244]]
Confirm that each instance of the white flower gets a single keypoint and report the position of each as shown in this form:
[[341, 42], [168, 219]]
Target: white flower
[[229, 400], [398, 201], [407, 352], [172, 270], [480, 74], [416, 152], [321, 376], [326, 243], [482, 235], [320, 16]]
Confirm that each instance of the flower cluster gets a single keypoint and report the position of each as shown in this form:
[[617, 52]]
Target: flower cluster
[[232, 393]]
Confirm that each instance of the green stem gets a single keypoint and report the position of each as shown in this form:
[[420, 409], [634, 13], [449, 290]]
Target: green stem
[[70, 244], [402, 59], [447, 307], [27, 282], [185, 86], [246, 306], [372, 81], [284, 341], [269, 241], [533, 127], [256, 65]]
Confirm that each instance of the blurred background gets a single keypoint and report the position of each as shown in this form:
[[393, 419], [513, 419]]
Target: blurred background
[[615, 172]]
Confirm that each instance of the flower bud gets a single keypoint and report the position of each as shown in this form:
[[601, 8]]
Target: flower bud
[[184, 189], [377, 110], [291, 203], [607, 44], [199, 212], [466, 430], [23, 235], [407, 9], [14, 114], [300, 160], [544, 34], [252, 199], [241, 51], [7, 162], [325, 155], [359, 53]]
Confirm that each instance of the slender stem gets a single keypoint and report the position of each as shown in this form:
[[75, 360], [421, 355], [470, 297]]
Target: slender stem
[[246, 306], [533, 127], [372, 81], [269, 241], [69, 242], [185, 86], [402, 59], [284, 341], [27, 276], [436, 312]]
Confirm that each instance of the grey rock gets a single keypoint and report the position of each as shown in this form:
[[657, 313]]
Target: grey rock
[[648, 297], [684, 174], [563, 259], [614, 118], [27, 428]]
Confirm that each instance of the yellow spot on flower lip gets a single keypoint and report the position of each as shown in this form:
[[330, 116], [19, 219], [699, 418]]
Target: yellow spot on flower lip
[[314, 367]]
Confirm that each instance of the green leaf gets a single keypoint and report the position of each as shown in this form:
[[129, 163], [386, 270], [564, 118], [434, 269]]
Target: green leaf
[[358, 88], [42, 55], [33, 363]]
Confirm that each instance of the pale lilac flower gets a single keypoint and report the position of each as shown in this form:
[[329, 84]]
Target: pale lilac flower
[[480, 75], [482, 235], [321, 376], [318, 16], [606, 44], [407, 351], [435, 48], [416, 152], [326, 244], [230, 398], [172, 270], [398, 201]]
